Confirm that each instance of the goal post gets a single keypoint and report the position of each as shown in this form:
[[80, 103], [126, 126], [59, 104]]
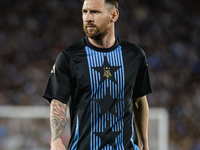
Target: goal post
[[25, 112], [158, 123], [158, 129]]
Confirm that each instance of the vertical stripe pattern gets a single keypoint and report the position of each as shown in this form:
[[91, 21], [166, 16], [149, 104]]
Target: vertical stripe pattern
[[113, 90], [75, 143]]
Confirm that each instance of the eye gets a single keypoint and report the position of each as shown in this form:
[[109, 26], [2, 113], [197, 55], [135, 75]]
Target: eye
[[84, 11], [95, 12]]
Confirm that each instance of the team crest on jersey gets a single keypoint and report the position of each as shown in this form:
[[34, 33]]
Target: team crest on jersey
[[107, 72]]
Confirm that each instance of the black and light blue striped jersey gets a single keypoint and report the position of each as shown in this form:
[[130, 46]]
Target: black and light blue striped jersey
[[99, 85]]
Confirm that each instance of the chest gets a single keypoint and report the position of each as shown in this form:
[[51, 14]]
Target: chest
[[104, 71]]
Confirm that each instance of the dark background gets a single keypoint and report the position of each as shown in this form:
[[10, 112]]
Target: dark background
[[33, 32]]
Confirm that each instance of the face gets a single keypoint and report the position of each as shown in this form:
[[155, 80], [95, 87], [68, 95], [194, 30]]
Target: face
[[96, 19]]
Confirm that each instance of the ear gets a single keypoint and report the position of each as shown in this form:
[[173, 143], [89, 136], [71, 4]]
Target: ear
[[115, 15]]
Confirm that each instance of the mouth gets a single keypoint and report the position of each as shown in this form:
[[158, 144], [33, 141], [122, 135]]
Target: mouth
[[90, 26]]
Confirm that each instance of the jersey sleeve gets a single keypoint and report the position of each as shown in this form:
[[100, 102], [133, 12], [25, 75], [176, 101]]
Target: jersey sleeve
[[142, 84], [59, 83]]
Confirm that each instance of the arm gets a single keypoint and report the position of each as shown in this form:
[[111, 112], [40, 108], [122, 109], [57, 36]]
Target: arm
[[57, 123], [141, 115]]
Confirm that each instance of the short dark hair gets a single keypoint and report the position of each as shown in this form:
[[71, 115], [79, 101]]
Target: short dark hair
[[112, 2]]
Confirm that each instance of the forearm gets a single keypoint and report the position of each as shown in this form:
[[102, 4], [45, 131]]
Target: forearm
[[57, 119], [141, 115]]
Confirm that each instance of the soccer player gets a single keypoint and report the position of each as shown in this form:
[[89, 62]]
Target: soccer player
[[104, 80]]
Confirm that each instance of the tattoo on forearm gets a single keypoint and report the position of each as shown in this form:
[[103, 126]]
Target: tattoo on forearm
[[57, 119]]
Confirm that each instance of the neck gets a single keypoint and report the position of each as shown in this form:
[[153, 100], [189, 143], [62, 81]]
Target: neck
[[107, 42]]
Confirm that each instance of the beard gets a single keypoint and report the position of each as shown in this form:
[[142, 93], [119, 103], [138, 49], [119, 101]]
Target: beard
[[97, 33]]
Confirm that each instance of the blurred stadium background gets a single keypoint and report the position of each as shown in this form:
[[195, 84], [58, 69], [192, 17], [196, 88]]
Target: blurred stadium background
[[33, 32]]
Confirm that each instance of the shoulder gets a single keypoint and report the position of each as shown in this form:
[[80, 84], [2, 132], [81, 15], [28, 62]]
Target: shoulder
[[74, 48], [132, 47], [66, 54]]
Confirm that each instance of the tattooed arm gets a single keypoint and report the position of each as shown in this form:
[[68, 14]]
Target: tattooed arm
[[57, 123], [141, 116]]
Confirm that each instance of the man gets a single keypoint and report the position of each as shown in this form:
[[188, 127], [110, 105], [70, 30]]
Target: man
[[104, 80]]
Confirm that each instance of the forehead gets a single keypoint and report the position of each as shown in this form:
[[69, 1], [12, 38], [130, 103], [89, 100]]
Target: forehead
[[93, 4]]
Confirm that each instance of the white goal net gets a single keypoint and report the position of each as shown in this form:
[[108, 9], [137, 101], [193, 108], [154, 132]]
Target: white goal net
[[27, 128]]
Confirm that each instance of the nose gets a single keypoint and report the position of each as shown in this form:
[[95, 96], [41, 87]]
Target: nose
[[89, 17]]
